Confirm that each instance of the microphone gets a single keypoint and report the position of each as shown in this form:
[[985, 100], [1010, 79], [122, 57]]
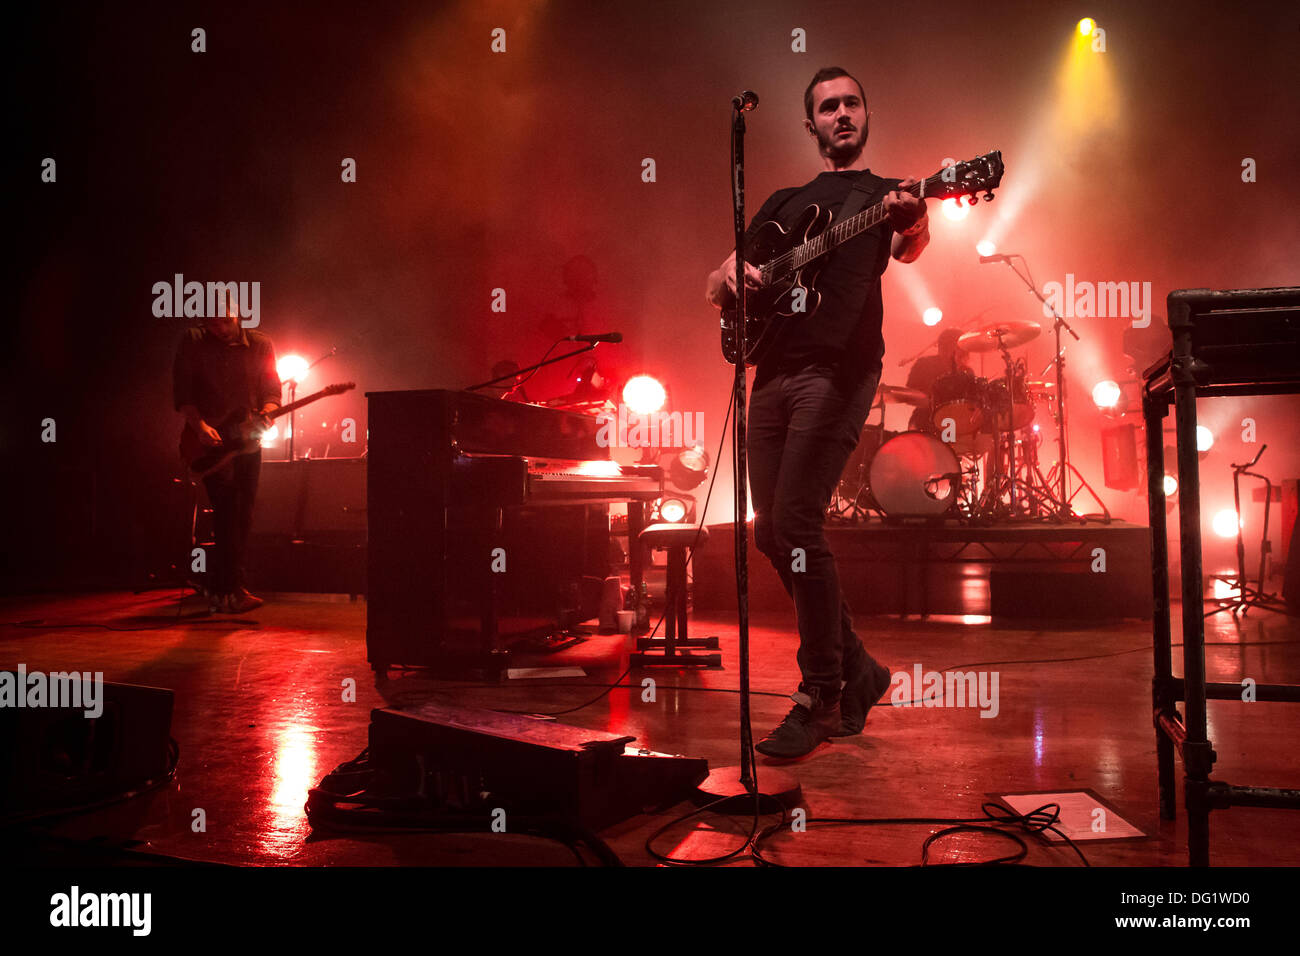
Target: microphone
[[603, 337], [747, 100], [987, 259]]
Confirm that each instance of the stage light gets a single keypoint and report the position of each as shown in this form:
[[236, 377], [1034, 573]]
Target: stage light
[[932, 315], [291, 368], [672, 510], [269, 436], [1106, 394], [1085, 26], [1171, 486], [644, 395], [1204, 438], [1226, 523], [986, 247], [689, 468], [955, 210]]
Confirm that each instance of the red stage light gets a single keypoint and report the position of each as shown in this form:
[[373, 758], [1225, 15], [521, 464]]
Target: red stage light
[[644, 394]]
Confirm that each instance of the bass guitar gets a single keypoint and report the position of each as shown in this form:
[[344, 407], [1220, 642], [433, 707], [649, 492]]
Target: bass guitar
[[240, 435]]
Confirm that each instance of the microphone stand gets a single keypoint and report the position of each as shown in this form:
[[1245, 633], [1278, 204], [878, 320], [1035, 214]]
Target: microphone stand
[[559, 358], [735, 789], [293, 397]]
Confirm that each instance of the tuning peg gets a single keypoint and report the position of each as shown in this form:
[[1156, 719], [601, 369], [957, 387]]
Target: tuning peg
[[973, 200], [988, 196]]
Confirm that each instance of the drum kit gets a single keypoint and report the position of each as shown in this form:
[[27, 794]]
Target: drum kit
[[975, 456]]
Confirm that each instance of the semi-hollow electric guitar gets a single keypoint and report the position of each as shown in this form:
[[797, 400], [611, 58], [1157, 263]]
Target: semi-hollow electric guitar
[[240, 435], [789, 261]]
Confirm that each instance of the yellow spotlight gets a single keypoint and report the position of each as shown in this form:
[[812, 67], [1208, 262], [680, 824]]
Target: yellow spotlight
[[1085, 26]]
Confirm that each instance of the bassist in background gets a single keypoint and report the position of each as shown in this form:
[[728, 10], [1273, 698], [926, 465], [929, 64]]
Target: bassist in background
[[811, 396], [225, 371]]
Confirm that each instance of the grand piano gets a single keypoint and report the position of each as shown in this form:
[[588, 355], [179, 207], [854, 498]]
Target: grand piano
[[488, 522]]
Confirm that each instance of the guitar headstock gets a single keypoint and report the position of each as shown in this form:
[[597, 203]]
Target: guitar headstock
[[981, 174], [338, 388]]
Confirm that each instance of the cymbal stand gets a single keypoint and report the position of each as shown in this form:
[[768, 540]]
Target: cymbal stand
[[1062, 469]]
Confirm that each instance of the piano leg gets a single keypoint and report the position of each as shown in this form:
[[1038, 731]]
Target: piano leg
[[490, 591], [635, 557]]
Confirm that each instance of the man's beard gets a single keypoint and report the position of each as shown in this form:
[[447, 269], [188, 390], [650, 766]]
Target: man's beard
[[842, 152]]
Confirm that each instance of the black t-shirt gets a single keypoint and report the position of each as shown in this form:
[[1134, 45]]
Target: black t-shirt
[[223, 380], [845, 332]]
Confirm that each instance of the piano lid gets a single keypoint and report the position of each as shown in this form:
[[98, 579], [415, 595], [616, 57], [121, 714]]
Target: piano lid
[[483, 424]]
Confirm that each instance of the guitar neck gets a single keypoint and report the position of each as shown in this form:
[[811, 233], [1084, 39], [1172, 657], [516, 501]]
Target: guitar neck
[[842, 232], [294, 406]]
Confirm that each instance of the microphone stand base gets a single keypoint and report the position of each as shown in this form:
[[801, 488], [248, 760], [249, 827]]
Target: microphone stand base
[[779, 792]]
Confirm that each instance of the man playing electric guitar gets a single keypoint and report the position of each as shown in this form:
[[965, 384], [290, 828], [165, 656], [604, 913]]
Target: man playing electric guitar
[[810, 398], [223, 373]]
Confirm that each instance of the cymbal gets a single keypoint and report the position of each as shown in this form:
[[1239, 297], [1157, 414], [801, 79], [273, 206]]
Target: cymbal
[[1010, 334], [901, 395]]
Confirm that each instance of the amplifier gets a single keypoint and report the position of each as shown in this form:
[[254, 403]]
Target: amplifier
[[527, 766], [53, 758]]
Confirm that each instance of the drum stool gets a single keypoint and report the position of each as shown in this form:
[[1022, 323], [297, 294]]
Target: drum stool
[[675, 646]]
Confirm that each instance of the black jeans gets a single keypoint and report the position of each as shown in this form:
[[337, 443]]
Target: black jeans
[[231, 492], [803, 426]]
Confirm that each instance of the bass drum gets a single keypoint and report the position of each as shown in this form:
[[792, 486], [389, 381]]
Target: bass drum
[[915, 475], [855, 480]]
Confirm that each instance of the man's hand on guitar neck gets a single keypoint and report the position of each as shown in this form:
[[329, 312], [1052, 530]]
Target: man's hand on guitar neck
[[908, 215], [263, 416], [721, 290]]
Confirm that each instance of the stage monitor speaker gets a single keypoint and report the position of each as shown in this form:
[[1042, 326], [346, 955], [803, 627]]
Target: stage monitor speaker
[[55, 758], [527, 766]]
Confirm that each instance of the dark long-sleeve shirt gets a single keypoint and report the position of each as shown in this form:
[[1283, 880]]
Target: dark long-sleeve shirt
[[223, 380]]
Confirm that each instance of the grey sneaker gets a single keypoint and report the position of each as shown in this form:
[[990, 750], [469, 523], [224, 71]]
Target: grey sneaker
[[241, 602], [807, 725], [858, 696]]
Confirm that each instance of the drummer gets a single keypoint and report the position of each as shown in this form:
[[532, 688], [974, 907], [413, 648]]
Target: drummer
[[929, 368]]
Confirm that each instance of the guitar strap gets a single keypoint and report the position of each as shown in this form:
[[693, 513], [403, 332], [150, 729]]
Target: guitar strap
[[865, 189]]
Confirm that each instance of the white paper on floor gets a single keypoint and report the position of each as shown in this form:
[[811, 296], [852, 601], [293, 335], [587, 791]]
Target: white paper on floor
[[1083, 816], [518, 673]]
